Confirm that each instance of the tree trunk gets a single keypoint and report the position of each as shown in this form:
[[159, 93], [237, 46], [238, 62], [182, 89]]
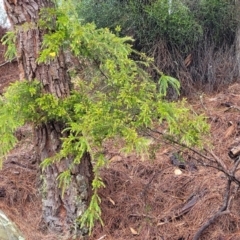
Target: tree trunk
[[238, 39], [59, 212], [238, 50]]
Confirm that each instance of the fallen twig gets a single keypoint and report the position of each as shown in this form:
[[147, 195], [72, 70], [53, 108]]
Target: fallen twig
[[141, 215], [219, 164], [226, 203], [4, 63], [223, 210], [232, 107], [102, 237], [218, 160], [22, 165], [179, 144]]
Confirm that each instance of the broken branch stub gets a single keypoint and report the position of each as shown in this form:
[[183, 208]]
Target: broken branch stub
[[234, 152]]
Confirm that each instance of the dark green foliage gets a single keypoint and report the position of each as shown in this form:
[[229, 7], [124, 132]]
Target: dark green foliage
[[203, 30], [182, 24], [109, 13], [219, 20], [176, 24]]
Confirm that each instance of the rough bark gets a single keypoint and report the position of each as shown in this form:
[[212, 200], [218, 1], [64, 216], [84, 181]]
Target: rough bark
[[238, 38], [59, 212], [238, 50]]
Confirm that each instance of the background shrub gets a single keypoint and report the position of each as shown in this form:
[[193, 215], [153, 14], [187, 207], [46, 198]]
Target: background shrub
[[192, 40]]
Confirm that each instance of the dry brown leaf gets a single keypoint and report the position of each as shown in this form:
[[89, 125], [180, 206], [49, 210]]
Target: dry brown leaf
[[229, 131], [116, 158], [133, 231], [110, 200]]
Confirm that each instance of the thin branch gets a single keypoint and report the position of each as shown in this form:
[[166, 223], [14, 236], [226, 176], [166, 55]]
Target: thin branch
[[226, 203], [182, 145], [102, 237], [232, 107], [141, 216], [100, 70], [4, 63], [235, 166], [218, 160], [223, 210], [220, 167], [201, 162]]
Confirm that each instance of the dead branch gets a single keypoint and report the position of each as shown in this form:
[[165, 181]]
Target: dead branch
[[226, 203], [223, 210], [218, 160], [232, 107], [209, 222], [179, 144], [221, 167], [141, 216], [4, 63], [28, 168], [189, 205], [233, 171], [234, 152], [102, 237]]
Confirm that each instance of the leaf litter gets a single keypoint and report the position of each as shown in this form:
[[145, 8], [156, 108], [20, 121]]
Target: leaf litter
[[143, 199]]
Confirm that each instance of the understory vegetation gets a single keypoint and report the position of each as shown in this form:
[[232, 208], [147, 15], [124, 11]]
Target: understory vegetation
[[190, 40]]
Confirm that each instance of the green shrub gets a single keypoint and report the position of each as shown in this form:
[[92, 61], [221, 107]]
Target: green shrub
[[182, 24], [201, 29], [174, 23], [218, 18], [109, 13]]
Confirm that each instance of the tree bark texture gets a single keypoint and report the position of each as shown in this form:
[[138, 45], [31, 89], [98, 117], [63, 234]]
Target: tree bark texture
[[238, 38], [238, 50], [59, 212]]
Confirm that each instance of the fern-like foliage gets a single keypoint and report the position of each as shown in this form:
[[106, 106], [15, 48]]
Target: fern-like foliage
[[16, 108], [113, 98], [9, 40]]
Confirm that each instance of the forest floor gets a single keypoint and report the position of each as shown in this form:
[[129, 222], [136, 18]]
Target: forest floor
[[147, 198]]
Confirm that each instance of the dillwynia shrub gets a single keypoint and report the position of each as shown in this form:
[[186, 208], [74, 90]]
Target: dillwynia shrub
[[112, 98]]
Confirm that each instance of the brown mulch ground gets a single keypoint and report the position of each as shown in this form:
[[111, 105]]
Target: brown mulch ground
[[142, 199], [146, 200]]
